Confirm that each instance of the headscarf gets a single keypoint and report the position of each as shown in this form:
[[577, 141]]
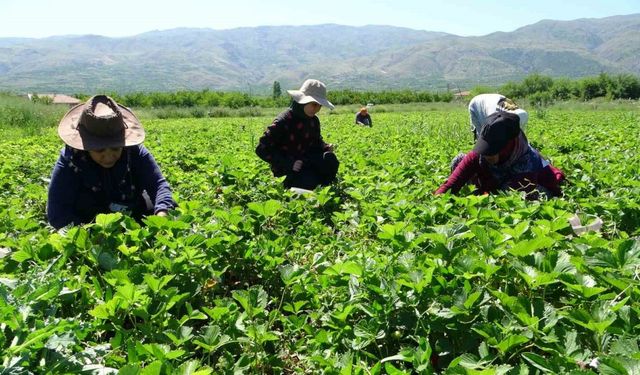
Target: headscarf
[[516, 158], [298, 110]]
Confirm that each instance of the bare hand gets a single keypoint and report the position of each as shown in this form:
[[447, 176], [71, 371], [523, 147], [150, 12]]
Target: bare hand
[[161, 213], [297, 166]]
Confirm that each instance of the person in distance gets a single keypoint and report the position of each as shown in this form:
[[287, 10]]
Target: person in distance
[[502, 159], [293, 144], [363, 117], [103, 167]]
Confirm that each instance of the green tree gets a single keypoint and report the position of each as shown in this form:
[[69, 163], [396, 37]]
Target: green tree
[[628, 87], [512, 90], [564, 88], [277, 91], [536, 83], [591, 87]]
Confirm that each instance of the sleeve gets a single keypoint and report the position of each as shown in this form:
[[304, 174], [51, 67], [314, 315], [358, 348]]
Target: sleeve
[[324, 146], [151, 178], [551, 178], [370, 120], [268, 151], [61, 196], [469, 166]]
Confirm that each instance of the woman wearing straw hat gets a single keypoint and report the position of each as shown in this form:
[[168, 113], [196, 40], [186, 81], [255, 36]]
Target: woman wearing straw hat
[[293, 145], [103, 167]]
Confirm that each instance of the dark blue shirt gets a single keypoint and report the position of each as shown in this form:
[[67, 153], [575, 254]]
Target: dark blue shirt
[[364, 119], [80, 188]]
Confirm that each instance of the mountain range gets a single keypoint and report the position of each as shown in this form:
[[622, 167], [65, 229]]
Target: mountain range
[[367, 57]]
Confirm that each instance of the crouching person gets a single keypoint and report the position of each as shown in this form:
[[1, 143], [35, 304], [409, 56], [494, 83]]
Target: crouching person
[[502, 159], [293, 145], [103, 167]]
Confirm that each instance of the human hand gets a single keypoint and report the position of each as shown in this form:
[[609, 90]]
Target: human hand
[[297, 166], [161, 213], [329, 147]]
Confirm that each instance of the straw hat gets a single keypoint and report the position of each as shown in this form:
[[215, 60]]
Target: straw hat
[[312, 90], [100, 123]]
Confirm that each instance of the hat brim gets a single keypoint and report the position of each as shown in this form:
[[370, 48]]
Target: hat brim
[[77, 137], [301, 98], [483, 147]]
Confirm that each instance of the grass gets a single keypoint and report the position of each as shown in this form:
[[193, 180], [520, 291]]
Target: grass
[[20, 117], [371, 275]]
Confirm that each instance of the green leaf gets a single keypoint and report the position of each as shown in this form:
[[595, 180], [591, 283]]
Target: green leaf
[[192, 368], [106, 221], [512, 340], [56, 342], [398, 357], [539, 362], [253, 301], [266, 209], [471, 299], [127, 250], [46, 292], [129, 370], [21, 255], [392, 370], [348, 268], [615, 366], [107, 261], [537, 278], [528, 247], [106, 310], [38, 337], [154, 368], [290, 272]]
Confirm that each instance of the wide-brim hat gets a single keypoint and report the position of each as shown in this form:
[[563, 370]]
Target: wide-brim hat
[[100, 123], [312, 90], [501, 127]]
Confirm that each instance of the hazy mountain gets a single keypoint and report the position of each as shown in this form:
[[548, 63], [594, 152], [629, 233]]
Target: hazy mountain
[[374, 57]]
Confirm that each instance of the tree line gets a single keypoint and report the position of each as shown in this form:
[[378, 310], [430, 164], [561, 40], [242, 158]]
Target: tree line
[[542, 90], [235, 100], [536, 88]]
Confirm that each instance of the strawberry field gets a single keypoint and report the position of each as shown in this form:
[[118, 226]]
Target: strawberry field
[[372, 275]]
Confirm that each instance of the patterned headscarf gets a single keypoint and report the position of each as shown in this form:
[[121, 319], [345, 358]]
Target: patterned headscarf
[[522, 159]]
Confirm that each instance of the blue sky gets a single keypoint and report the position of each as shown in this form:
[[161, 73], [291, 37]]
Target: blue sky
[[42, 18]]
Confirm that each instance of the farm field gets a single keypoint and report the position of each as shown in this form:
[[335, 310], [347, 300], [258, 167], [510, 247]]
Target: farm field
[[372, 275]]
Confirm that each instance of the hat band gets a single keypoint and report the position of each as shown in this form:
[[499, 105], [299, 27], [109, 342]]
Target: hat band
[[103, 127]]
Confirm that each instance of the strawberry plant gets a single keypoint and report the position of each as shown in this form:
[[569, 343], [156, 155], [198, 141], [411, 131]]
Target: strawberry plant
[[371, 275]]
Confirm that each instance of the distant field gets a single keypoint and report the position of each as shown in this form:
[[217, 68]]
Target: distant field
[[372, 275]]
